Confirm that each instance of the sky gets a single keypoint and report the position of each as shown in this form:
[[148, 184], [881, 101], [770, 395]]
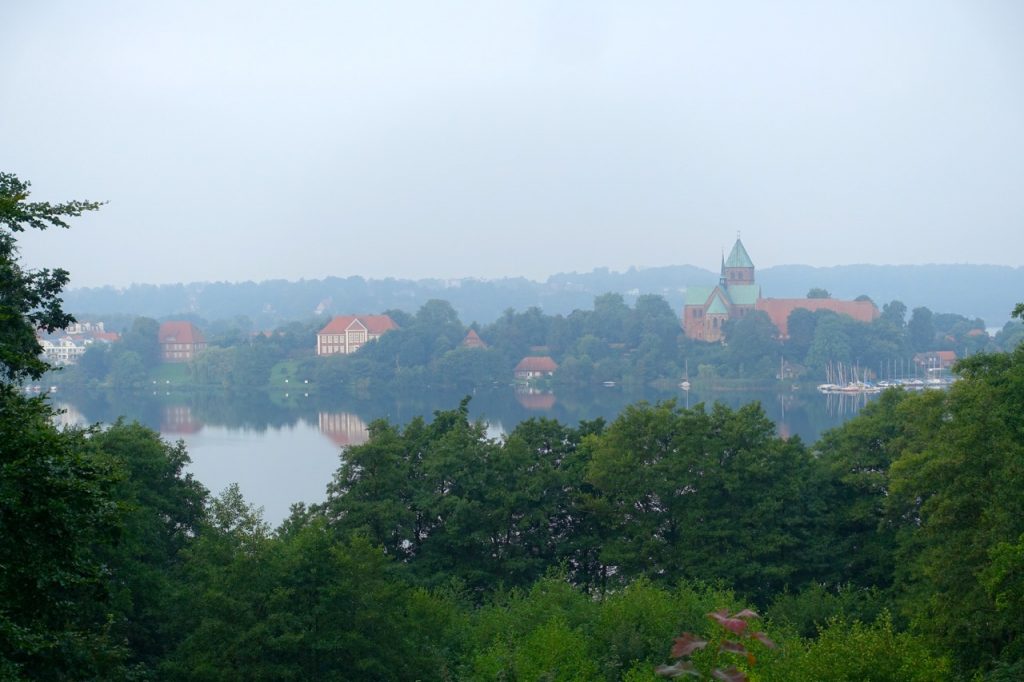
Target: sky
[[249, 140]]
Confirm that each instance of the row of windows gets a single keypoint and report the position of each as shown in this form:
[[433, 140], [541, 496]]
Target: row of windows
[[183, 346], [357, 337]]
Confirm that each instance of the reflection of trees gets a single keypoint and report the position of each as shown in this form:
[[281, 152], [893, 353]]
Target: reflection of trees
[[807, 414]]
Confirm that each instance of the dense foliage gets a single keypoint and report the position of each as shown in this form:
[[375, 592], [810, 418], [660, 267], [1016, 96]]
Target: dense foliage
[[638, 345], [892, 549]]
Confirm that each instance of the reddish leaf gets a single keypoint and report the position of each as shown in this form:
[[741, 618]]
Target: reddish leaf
[[730, 674], [747, 613], [732, 647], [733, 625], [763, 639], [679, 669], [686, 644]]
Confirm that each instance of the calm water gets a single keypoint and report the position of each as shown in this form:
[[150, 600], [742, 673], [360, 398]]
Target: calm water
[[283, 448]]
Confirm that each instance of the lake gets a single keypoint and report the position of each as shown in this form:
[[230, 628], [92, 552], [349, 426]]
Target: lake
[[283, 447]]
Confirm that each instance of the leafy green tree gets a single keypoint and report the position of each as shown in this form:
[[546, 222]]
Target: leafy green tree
[[818, 292], [29, 299], [56, 505], [831, 343], [162, 510], [143, 340], [859, 548], [921, 329], [851, 651], [712, 496], [127, 370], [56, 509], [955, 497], [895, 314], [94, 365], [753, 346], [801, 325]]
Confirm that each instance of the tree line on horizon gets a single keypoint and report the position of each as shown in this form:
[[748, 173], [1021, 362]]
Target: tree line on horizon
[[638, 345]]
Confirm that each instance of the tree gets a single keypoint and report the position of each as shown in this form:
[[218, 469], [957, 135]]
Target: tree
[[29, 299], [895, 313], [818, 292], [921, 329], [143, 339], [162, 510], [56, 504], [955, 499]]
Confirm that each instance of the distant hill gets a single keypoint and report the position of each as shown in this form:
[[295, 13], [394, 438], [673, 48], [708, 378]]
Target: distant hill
[[985, 291]]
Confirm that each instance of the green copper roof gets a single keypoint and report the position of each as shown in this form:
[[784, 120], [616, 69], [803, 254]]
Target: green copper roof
[[697, 295], [744, 294], [738, 257], [718, 307]]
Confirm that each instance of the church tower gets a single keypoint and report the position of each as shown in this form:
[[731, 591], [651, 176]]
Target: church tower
[[738, 268]]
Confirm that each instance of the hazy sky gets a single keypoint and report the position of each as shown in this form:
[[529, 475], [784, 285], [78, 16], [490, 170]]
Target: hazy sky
[[252, 140]]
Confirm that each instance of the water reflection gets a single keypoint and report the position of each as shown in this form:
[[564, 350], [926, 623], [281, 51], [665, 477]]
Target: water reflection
[[535, 399], [284, 448], [343, 428], [178, 419]]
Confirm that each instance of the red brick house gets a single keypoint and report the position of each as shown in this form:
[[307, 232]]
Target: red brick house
[[180, 341], [346, 334], [534, 367]]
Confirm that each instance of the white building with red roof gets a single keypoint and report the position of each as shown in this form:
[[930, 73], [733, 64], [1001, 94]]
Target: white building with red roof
[[346, 334], [535, 366]]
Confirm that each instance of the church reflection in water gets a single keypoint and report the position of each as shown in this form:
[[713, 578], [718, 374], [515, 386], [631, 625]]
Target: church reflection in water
[[343, 428]]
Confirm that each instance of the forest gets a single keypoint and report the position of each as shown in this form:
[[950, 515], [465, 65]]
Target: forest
[[635, 345], [892, 549]]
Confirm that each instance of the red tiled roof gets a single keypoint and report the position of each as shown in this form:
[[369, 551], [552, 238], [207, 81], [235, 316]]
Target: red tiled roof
[[180, 332], [375, 324], [536, 363], [473, 340], [778, 309], [106, 336]]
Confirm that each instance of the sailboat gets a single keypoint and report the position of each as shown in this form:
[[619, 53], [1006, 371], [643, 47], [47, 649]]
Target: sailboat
[[685, 383]]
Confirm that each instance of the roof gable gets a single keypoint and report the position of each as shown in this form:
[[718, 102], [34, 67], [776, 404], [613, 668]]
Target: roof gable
[[536, 363], [718, 307], [738, 257], [473, 340], [373, 324], [180, 332]]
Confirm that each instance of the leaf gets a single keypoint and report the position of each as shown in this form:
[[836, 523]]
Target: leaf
[[730, 674], [679, 669], [733, 625], [763, 639], [685, 644], [732, 647]]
